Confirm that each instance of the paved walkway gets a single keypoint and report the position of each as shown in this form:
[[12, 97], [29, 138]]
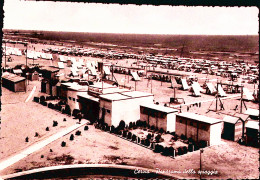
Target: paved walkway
[[29, 97], [13, 159]]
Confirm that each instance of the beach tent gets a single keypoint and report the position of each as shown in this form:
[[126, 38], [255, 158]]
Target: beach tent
[[196, 90], [248, 94], [221, 92], [106, 70], [210, 89], [61, 65], [184, 84], [135, 76]]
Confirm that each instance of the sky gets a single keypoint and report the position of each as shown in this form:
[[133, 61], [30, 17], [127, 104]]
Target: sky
[[115, 18]]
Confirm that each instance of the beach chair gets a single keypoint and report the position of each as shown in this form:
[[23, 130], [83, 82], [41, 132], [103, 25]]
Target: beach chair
[[221, 92], [184, 84], [135, 76], [106, 70], [211, 89], [248, 94], [195, 90]]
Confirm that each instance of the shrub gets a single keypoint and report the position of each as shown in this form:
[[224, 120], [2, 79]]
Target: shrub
[[50, 105], [78, 133], [26, 139], [149, 136], [121, 125], [196, 146], [190, 140], [119, 132], [202, 144], [51, 150], [129, 135], [171, 151], [166, 152], [190, 147], [142, 142], [183, 137], [147, 142], [36, 134], [133, 137], [172, 133], [158, 148], [138, 140], [184, 149], [44, 103], [71, 137], [85, 128], [55, 123], [64, 119], [138, 123], [42, 99], [42, 156], [63, 144], [180, 151], [124, 133], [134, 125], [112, 129], [47, 129], [161, 131], [144, 123], [36, 99], [130, 125], [157, 138]]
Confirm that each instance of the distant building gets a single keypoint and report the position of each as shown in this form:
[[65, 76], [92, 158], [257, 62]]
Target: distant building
[[159, 116], [13, 82], [199, 127]]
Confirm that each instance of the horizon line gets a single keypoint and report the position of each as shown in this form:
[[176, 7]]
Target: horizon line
[[136, 33]]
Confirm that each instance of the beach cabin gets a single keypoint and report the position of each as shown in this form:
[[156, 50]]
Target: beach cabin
[[233, 128], [13, 82], [199, 127], [34, 76], [159, 116], [252, 133], [253, 113], [89, 106], [123, 106]]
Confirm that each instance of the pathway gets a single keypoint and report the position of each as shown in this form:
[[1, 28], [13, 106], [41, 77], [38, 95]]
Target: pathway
[[13, 159]]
